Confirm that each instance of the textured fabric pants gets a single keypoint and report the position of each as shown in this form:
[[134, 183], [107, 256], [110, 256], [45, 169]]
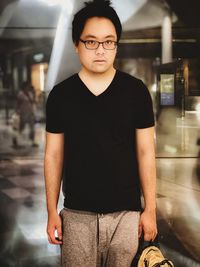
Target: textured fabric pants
[[99, 240]]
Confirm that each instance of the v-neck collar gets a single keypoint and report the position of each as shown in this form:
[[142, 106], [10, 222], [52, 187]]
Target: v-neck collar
[[105, 92]]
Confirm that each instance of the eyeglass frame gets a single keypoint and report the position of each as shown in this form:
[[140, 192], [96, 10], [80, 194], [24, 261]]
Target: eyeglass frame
[[116, 43]]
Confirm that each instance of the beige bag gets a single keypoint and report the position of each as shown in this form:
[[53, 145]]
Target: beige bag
[[152, 257]]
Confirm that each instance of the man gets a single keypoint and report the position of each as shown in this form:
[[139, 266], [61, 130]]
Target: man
[[100, 126], [25, 108]]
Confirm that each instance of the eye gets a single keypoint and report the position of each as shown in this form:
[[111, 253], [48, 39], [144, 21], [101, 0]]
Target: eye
[[109, 42], [91, 42]]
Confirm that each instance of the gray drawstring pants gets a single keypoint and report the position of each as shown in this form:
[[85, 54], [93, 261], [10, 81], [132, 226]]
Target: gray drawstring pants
[[99, 240]]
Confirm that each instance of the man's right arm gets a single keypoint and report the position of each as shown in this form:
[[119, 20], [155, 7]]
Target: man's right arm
[[53, 167]]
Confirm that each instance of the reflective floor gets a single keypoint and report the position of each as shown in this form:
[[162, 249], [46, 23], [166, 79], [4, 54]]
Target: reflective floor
[[23, 213]]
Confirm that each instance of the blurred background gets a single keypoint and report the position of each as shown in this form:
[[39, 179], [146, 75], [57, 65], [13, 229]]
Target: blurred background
[[160, 44]]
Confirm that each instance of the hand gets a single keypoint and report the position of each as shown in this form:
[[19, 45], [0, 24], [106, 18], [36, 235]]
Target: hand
[[148, 226], [54, 224]]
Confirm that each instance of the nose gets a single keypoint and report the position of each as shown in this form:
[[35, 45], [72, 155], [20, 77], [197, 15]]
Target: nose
[[100, 49]]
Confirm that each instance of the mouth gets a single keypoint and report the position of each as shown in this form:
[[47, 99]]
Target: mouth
[[99, 61]]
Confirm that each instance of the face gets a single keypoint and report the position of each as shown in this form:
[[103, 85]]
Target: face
[[99, 60]]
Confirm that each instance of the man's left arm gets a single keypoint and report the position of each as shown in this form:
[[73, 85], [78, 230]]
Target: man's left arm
[[147, 169]]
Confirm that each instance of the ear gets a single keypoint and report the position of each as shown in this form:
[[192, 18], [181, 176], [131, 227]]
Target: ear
[[76, 49]]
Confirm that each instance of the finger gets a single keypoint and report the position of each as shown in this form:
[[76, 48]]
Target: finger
[[139, 230], [153, 238], [154, 235], [59, 231], [55, 241], [50, 233], [51, 237], [147, 236], [150, 236]]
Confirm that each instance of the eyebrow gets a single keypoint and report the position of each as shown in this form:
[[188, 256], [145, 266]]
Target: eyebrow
[[93, 36]]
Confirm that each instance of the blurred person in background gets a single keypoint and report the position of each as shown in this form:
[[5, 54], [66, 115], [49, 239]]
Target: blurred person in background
[[25, 109], [100, 127]]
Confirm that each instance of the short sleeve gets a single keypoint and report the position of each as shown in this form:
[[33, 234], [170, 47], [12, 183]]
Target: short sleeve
[[145, 115], [54, 113]]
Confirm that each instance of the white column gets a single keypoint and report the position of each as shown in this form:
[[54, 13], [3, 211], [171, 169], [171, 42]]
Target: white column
[[167, 39]]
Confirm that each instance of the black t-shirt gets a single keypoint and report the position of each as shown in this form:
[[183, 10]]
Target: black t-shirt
[[100, 165]]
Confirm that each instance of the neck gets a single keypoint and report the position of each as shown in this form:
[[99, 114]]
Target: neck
[[97, 76]]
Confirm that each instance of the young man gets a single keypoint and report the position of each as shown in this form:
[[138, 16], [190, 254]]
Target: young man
[[100, 127]]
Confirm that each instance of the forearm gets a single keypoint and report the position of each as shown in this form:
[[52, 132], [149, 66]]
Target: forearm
[[53, 166], [147, 171], [147, 166]]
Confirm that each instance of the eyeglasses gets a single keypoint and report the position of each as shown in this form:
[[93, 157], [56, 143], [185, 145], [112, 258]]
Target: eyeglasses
[[93, 45]]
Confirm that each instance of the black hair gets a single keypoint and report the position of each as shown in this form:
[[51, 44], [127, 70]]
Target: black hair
[[98, 8], [25, 85]]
